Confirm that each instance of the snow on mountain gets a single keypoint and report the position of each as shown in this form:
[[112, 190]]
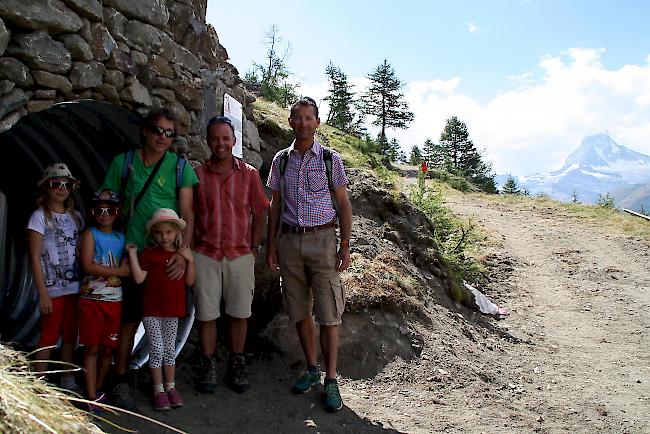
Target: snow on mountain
[[598, 166]]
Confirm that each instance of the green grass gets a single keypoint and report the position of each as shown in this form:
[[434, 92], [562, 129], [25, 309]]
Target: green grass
[[458, 240], [613, 219]]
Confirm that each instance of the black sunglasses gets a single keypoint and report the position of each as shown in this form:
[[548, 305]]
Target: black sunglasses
[[155, 129], [108, 210], [62, 185]]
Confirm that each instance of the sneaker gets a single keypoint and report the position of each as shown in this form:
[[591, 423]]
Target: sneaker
[[94, 410], [71, 386], [236, 376], [122, 396], [101, 397], [161, 402], [331, 397], [207, 375], [305, 383], [175, 399]]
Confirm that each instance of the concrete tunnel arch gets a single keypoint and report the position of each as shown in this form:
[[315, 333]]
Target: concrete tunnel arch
[[85, 135]]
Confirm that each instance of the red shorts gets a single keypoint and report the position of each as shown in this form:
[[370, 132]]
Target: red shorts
[[99, 322], [61, 322]]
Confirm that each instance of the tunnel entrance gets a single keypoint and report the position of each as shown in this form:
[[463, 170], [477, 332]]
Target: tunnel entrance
[[85, 135]]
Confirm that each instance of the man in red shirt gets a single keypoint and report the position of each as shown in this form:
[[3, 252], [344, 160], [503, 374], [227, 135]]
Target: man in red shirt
[[230, 212]]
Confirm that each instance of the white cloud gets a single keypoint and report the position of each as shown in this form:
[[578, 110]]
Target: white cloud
[[535, 126], [472, 27]]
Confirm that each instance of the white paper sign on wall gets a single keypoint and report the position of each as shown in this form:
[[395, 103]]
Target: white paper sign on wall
[[232, 109]]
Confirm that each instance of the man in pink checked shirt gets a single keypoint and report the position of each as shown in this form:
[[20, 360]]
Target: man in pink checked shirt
[[230, 210], [302, 244]]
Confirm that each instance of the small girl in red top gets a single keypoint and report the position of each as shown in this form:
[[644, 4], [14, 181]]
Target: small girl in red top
[[164, 300]]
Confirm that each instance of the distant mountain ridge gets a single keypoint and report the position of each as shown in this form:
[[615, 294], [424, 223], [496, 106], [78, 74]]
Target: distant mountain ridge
[[598, 166]]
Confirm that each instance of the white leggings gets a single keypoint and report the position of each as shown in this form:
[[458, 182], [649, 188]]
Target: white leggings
[[161, 333]]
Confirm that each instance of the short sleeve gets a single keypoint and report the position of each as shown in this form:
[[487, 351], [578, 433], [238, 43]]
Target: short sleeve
[[258, 200], [37, 221], [113, 180], [274, 174], [144, 258], [189, 176], [338, 171]]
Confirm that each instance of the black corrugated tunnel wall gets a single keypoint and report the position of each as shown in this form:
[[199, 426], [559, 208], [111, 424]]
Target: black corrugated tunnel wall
[[83, 134]]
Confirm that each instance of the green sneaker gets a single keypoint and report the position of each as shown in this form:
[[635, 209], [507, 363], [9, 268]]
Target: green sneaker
[[309, 379], [331, 397]]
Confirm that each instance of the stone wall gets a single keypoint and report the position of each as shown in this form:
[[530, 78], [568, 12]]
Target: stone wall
[[137, 54]]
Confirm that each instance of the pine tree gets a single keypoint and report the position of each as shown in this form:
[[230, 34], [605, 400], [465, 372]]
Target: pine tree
[[435, 155], [510, 187], [415, 157], [341, 100], [384, 101], [462, 157], [393, 151], [574, 196], [271, 79]]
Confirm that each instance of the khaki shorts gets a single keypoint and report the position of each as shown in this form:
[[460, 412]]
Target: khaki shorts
[[309, 277], [233, 280]]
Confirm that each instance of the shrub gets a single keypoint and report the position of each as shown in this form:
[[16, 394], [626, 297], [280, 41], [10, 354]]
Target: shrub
[[606, 201], [454, 237]]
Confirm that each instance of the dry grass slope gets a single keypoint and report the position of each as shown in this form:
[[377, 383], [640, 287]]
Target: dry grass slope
[[29, 405]]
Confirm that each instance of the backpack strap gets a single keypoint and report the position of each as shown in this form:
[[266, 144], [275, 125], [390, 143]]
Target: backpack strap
[[127, 168], [284, 158], [327, 159], [181, 161]]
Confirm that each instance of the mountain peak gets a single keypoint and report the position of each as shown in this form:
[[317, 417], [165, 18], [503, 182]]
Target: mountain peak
[[600, 151]]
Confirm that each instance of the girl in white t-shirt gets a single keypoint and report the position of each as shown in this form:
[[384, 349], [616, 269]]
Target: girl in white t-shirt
[[52, 234]]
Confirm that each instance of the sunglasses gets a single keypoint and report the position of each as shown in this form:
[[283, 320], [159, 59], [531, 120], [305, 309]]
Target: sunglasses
[[101, 211], [62, 185], [155, 129]]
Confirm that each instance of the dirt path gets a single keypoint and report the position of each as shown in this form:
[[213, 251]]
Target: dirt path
[[582, 295], [574, 355]]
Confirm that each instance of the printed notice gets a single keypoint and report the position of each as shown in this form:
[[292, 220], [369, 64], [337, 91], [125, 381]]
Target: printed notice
[[232, 109]]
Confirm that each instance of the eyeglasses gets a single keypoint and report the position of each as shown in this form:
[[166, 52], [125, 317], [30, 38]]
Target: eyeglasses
[[109, 211], [155, 129], [62, 185]]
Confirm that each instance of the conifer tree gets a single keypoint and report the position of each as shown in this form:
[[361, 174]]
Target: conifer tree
[[384, 101], [341, 100], [463, 158], [415, 157], [435, 155], [271, 79], [393, 151], [510, 187]]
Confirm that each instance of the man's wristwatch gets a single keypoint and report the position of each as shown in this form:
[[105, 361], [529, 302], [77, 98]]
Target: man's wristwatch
[[257, 248]]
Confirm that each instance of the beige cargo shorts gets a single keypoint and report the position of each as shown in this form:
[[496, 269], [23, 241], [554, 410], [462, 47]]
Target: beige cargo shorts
[[310, 282]]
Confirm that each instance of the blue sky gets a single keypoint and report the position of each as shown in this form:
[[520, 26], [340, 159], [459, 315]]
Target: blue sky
[[498, 65]]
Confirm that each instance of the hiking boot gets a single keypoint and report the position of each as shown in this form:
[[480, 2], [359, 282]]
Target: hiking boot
[[331, 397], [309, 379], [161, 402], [236, 377], [207, 375], [122, 396], [175, 399]]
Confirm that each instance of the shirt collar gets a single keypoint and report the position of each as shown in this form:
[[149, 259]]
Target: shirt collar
[[316, 148], [236, 164]]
